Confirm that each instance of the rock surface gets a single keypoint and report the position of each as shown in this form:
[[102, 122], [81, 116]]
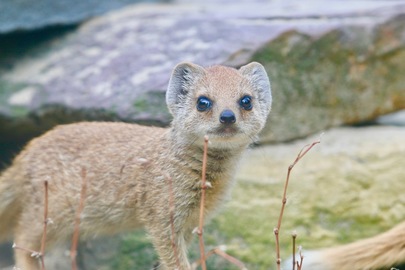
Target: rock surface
[[348, 187], [28, 15], [329, 64]]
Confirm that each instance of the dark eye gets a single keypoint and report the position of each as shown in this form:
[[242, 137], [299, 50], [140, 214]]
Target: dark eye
[[246, 103], [203, 104]]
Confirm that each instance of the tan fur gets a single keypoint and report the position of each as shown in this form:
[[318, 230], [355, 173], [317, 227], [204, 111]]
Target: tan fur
[[127, 167], [379, 252]]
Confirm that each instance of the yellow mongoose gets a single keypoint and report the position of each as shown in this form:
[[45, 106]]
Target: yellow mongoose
[[379, 252], [128, 166]]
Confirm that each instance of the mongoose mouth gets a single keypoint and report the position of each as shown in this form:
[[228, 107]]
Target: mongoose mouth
[[226, 131]]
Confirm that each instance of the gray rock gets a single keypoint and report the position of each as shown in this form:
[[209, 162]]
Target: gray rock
[[329, 64], [395, 119], [346, 76], [28, 15]]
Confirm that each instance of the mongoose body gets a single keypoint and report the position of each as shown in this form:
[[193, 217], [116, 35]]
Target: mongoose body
[[128, 166]]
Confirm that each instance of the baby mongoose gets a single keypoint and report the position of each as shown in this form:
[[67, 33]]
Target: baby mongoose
[[128, 166]]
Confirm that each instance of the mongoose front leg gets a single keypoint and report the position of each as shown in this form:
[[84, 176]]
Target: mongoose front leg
[[173, 254], [27, 240], [25, 259]]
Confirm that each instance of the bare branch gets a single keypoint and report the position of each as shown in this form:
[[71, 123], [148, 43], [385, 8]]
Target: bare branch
[[204, 186], [229, 258], [34, 254], [276, 230], [223, 254], [299, 264], [42, 252], [75, 238], [172, 209], [294, 236]]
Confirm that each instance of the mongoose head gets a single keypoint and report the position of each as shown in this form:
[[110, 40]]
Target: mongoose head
[[228, 105]]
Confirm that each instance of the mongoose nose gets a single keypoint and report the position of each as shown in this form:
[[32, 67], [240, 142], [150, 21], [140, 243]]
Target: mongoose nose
[[227, 117]]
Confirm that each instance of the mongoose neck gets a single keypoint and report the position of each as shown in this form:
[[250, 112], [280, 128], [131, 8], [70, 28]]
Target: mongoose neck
[[219, 160]]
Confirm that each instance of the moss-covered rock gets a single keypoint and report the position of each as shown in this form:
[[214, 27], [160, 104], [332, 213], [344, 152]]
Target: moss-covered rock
[[328, 64], [347, 188], [346, 76]]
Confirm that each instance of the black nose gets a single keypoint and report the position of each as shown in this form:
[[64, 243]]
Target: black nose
[[227, 117]]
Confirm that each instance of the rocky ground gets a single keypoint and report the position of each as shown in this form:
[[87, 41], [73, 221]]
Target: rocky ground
[[330, 65], [348, 187]]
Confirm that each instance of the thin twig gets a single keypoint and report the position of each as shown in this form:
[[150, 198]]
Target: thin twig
[[223, 254], [75, 238], [34, 254], [42, 252], [172, 209], [294, 236], [299, 264], [199, 230], [204, 186], [276, 230], [226, 256]]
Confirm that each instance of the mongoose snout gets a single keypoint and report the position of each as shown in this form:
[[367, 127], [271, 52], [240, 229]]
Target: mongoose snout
[[227, 117]]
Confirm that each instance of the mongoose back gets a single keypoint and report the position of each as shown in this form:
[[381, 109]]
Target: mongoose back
[[128, 166]]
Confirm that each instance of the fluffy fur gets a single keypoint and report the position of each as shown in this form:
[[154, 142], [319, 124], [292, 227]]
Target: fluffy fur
[[127, 167], [379, 252]]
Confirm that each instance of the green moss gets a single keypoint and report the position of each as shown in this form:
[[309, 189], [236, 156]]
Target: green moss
[[152, 102], [19, 111], [336, 78], [136, 252], [333, 198], [7, 89]]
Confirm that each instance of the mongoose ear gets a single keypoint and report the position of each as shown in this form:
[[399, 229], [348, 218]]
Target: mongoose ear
[[181, 82], [257, 76]]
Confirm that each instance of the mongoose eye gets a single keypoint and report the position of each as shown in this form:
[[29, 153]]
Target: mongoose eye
[[203, 104], [246, 103]]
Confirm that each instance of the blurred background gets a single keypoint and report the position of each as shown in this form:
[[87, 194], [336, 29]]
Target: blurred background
[[335, 66]]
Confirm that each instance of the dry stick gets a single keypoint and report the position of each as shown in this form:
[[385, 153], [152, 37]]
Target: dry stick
[[299, 264], [202, 203], [294, 236], [199, 230], [41, 254], [34, 254], [75, 238], [172, 209], [223, 254], [276, 230], [227, 257]]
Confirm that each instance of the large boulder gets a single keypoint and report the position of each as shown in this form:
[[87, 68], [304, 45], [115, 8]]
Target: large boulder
[[29, 15], [348, 187], [330, 64]]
